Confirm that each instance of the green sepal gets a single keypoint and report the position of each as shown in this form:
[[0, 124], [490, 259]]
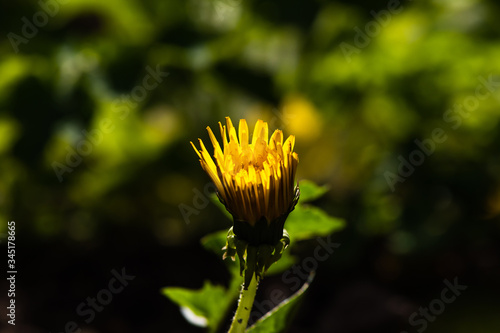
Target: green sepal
[[278, 250], [230, 246], [276, 255], [264, 252], [241, 249], [285, 239], [254, 260], [251, 264]]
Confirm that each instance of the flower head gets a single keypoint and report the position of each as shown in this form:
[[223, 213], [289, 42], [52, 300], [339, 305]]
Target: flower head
[[255, 180]]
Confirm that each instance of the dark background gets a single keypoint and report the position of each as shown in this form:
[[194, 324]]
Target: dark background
[[353, 116]]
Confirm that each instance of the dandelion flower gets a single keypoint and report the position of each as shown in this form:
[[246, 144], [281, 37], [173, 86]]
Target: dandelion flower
[[255, 180]]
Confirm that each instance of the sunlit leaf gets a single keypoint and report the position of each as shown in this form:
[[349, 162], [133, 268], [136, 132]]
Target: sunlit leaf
[[210, 302], [307, 222], [310, 191]]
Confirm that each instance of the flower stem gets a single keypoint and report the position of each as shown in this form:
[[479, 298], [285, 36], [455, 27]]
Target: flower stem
[[240, 320]]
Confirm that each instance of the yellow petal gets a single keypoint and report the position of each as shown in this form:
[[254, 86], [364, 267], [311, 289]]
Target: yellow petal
[[275, 138], [260, 152], [256, 131], [264, 134], [209, 165], [223, 135], [243, 133], [232, 131], [289, 144], [217, 150], [254, 180], [195, 149]]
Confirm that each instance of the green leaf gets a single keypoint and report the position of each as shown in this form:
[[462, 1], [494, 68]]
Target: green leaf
[[309, 191], [215, 241], [286, 261], [276, 320], [210, 302], [308, 221]]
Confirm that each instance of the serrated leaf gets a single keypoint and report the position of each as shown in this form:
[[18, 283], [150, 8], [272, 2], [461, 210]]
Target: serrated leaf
[[215, 200], [276, 320], [209, 302], [309, 191], [308, 221]]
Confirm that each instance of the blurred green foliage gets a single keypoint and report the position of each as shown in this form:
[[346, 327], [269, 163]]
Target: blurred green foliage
[[353, 116]]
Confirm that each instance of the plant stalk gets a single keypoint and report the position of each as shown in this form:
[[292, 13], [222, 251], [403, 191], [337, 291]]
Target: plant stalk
[[240, 320]]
